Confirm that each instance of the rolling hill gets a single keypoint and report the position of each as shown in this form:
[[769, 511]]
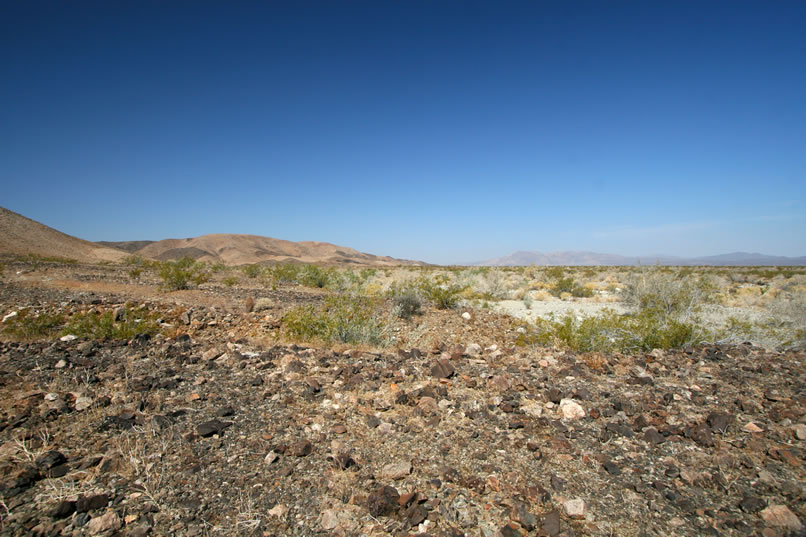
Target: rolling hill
[[22, 236], [234, 249]]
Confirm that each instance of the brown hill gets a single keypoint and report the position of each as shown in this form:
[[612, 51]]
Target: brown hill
[[233, 249], [22, 236]]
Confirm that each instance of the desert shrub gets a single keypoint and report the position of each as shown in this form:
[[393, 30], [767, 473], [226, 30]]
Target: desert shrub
[[314, 276], [28, 325], [570, 286], [555, 273], [407, 302], [231, 281], [95, 325], [445, 296], [285, 272], [180, 274], [666, 293], [251, 271], [342, 319], [215, 268], [612, 332], [133, 260]]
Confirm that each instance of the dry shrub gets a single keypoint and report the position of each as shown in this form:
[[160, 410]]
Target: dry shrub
[[595, 361]]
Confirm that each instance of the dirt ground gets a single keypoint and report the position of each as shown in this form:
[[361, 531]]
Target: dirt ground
[[221, 425]]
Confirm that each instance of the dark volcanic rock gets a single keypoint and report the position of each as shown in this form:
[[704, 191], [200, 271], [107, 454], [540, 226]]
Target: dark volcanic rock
[[300, 448], [211, 427], [383, 501], [442, 369]]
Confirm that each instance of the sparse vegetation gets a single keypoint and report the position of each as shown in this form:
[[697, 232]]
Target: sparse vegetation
[[251, 271], [342, 319], [177, 275], [407, 303], [653, 290], [612, 332], [30, 325], [95, 325]]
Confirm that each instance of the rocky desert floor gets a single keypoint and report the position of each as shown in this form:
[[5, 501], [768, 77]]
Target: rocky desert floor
[[218, 424]]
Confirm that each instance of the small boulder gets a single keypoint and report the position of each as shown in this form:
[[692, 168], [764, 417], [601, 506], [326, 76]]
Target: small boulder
[[571, 410]]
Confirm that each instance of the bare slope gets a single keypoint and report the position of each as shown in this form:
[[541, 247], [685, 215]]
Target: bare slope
[[22, 236], [233, 249]]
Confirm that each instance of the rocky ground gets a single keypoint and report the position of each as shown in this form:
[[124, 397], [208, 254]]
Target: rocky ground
[[221, 427]]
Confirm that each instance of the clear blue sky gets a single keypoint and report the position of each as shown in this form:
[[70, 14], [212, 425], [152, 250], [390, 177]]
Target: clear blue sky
[[433, 130]]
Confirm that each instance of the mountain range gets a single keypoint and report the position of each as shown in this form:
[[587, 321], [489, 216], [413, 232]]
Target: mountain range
[[571, 258], [22, 236]]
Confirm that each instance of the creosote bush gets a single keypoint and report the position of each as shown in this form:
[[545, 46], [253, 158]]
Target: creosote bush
[[445, 296], [94, 325], [181, 274], [407, 304], [569, 285], [655, 290], [251, 271], [29, 325], [609, 332], [342, 319]]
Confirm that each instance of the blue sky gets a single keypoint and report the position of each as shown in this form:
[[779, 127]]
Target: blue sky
[[433, 130]]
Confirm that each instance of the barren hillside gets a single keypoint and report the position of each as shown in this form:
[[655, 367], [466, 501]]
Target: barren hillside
[[233, 249], [22, 236]]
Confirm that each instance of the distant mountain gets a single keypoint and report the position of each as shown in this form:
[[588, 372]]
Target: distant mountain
[[233, 249], [524, 258], [22, 236]]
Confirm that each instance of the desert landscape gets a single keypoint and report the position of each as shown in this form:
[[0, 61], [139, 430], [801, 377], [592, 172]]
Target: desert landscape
[[240, 385]]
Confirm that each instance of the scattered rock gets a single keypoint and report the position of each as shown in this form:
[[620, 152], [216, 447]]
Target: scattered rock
[[109, 521], [752, 428], [301, 448], [551, 524], [211, 427], [575, 508], [780, 516], [395, 471], [442, 369], [383, 501], [571, 410]]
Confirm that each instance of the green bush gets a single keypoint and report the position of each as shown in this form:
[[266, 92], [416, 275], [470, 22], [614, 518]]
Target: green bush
[[180, 274], [569, 285], [445, 296], [231, 281], [94, 325], [342, 319], [314, 276], [29, 325], [285, 272], [251, 271], [612, 332], [678, 296]]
